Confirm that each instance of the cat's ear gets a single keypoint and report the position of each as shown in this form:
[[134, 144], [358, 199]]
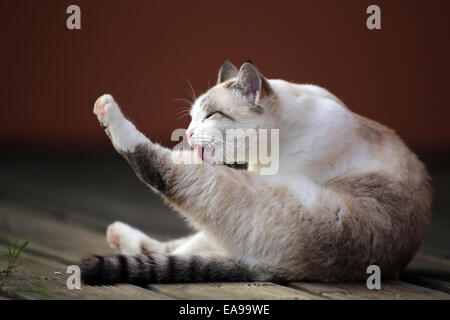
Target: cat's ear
[[226, 72], [251, 83]]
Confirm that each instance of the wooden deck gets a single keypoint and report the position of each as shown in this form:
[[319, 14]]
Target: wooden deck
[[63, 203]]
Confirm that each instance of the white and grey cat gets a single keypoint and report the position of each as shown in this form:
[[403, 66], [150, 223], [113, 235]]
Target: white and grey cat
[[348, 192]]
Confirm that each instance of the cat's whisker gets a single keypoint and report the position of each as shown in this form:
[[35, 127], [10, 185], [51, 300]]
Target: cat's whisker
[[228, 151], [194, 97], [212, 138], [186, 101], [221, 144], [183, 112], [182, 116]]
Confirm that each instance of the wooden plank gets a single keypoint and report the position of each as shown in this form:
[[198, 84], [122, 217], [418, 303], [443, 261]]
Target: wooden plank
[[425, 281], [42, 278], [66, 242], [69, 242], [100, 208], [390, 290], [93, 190], [428, 271], [88, 194], [237, 291], [430, 264]]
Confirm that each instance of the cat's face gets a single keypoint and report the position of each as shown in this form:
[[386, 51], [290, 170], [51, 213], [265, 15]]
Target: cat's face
[[241, 100]]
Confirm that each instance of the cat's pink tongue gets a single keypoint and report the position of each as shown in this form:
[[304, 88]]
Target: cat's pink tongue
[[199, 151]]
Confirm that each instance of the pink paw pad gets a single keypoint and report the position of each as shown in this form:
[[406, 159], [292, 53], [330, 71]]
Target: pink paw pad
[[116, 240], [110, 230], [100, 107]]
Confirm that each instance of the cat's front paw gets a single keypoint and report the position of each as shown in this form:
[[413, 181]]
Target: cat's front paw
[[107, 111]]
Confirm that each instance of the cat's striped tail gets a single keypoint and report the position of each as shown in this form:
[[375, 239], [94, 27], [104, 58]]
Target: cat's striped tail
[[164, 268]]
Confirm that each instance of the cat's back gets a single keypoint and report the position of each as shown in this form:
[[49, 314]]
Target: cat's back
[[290, 90], [384, 150]]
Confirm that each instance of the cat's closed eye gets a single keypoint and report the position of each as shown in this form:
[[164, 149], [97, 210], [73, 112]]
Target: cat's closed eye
[[209, 115], [212, 113]]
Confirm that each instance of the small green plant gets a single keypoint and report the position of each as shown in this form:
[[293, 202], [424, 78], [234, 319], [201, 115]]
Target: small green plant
[[14, 251]]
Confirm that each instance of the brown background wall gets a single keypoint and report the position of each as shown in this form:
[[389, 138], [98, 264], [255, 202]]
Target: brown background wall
[[142, 52]]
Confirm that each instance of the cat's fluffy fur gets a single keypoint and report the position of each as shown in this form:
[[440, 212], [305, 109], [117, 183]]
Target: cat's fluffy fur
[[348, 193]]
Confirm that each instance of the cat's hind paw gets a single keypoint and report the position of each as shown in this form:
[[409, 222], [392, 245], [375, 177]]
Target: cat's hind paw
[[124, 238]]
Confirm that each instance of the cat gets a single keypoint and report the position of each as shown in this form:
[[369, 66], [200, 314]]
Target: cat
[[348, 192]]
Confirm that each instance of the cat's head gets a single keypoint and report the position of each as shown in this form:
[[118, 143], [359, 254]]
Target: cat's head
[[241, 100]]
